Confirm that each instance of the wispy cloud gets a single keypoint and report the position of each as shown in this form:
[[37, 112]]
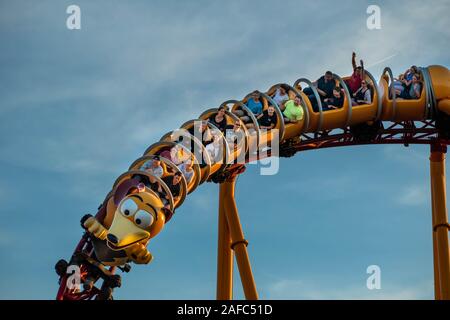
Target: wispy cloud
[[413, 195], [373, 64]]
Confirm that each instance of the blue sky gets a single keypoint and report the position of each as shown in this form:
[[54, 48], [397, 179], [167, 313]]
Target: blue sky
[[77, 107]]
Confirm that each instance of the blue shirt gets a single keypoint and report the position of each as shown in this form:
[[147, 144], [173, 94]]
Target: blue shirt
[[409, 76], [255, 107]]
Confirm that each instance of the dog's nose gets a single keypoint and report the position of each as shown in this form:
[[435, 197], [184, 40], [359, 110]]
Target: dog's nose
[[112, 238]]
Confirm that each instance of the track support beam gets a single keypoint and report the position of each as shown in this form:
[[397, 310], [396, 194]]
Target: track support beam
[[441, 254], [238, 244], [225, 256]]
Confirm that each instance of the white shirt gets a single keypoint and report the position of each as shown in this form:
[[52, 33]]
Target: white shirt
[[148, 167], [279, 98]]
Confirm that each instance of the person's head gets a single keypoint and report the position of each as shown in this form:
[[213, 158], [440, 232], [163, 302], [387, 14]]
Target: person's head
[[282, 90], [177, 177], [297, 100], [358, 70], [415, 78], [271, 110], [256, 95], [328, 76], [221, 111], [364, 83], [236, 125], [156, 161], [337, 92], [414, 69]]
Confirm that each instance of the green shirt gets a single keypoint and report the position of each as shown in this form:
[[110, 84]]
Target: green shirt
[[293, 112]]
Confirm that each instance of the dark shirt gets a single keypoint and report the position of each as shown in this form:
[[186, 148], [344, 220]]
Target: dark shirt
[[202, 136], [326, 87], [220, 125], [360, 94], [146, 181], [337, 102], [267, 120], [174, 188]]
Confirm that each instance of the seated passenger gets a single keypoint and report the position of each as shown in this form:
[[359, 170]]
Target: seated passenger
[[408, 76], [151, 183], [234, 134], [324, 85], [268, 119], [187, 170], [354, 83], [153, 166], [293, 111], [335, 102], [280, 97], [219, 119], [214, 149], [363, 95], [254, 104], [179, 155], [202, 132], [174, 184], [414, 89], [398, 85]]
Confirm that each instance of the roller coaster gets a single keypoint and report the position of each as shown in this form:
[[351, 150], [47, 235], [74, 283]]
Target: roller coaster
[[141, 202]]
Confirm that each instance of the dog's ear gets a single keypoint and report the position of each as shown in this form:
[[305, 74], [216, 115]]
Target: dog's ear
[[168, 213], [124, 188]]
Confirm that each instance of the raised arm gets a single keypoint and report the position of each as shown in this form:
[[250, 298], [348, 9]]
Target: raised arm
[[354, 60], [363, 74]]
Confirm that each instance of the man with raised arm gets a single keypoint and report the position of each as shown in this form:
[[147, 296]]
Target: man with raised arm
[[354, 83]]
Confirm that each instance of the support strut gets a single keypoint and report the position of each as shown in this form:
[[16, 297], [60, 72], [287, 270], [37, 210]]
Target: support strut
[[441, 255], [224, 257], [231, 229]]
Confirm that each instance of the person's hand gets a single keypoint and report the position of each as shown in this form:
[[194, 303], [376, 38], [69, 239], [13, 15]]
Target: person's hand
[[353, 54]]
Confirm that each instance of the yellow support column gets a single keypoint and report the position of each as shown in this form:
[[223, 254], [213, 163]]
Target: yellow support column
[[224, 255], [239, 244], [440, 221], [437, 287]]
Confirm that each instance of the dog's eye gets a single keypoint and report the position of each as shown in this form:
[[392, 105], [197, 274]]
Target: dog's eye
[[128, 208], [143, 219]]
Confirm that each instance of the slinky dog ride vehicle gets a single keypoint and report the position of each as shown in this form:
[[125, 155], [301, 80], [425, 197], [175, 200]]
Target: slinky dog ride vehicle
[[144, 199]]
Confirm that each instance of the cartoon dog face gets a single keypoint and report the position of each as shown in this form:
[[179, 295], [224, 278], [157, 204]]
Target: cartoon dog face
[[139, 217]]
